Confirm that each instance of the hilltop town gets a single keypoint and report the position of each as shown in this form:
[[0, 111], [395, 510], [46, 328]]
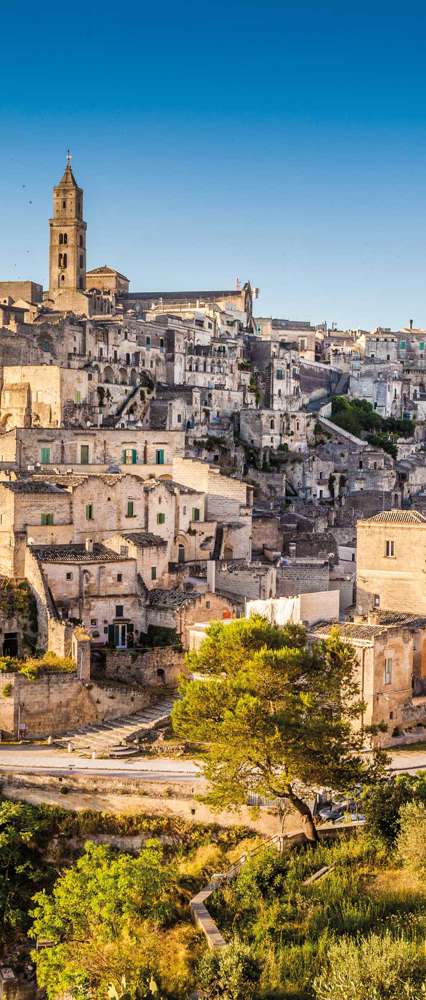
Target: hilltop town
[[172, 458]]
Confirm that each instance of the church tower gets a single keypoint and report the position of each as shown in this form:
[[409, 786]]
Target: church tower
[[67, 256]]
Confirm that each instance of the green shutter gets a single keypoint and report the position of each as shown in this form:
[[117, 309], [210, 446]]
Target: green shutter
[[134, 456]]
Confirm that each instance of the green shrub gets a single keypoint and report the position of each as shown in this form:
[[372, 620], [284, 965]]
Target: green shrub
[[229, 974], [383, 802], [33, 666], [377, 967], [411, 842]]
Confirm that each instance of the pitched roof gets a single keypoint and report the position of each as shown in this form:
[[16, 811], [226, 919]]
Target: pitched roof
[[33, 486], [173, 599], [367, 631], [398, 517], [75, 553], [172, 486], [107, 269], [68, 179], [145, 539], [350, 630]]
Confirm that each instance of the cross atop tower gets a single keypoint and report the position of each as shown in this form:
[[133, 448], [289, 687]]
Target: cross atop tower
[[69, 158]]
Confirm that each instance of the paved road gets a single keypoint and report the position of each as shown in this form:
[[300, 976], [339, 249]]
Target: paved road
[[36, 759], [41, 759], [408, 760]]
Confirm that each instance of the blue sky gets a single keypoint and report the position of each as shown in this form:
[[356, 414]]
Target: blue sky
[[280, 142]]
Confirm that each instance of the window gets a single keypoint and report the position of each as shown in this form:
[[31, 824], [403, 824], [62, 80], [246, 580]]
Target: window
[[84, 454], [279, 373], [388, 670], [45, 456], [159, 456], [46, 519], [64, 204], [119, 577], [130, 509], [179, 418], [207, 604], [195, 513], [422, 345], [402, 345], [89, 512], [93, 621], [81, 241], [81, 260], [129, 456], [389, 548], [153, 572], [68, 576], [78, 396], [148, 341], [161, 518], [377, 600], [124, 550], [119, 611]]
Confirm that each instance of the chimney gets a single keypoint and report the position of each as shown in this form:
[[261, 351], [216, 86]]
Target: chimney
[[89, 544], [373, 618], [211, 576]]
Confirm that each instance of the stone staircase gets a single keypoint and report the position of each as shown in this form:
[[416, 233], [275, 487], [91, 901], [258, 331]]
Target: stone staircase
[[114, 737]]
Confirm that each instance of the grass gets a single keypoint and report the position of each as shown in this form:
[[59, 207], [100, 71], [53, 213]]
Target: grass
[[290, 926], [410, 747]]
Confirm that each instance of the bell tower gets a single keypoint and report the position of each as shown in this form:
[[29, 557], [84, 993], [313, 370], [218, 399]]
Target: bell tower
[[67, 255]]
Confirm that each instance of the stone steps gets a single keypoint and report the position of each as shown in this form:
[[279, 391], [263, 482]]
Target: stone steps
[[113, 734]]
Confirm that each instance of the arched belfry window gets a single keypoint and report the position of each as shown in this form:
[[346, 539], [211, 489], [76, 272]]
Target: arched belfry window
[[63, 239]]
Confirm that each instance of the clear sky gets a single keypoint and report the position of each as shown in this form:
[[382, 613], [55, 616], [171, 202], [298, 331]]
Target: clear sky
[[279, 142]]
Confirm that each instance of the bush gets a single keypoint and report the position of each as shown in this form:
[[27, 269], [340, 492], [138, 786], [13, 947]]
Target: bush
[[411, 842], [228, 974], [383, 802], [33, 666], [372, 968]]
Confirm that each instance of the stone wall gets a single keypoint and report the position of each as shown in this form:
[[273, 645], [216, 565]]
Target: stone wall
[[56, 702], [393, 583], [302, 578], [155, 668]]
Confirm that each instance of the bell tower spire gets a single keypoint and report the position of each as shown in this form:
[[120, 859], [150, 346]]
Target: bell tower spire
[[67, 257]]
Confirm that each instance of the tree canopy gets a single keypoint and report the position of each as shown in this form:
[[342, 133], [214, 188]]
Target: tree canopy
[[22, 866], [274, 712], [105, 924]]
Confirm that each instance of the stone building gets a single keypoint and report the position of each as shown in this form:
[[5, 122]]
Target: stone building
[[97, 587], [391, 654], [391, 560]]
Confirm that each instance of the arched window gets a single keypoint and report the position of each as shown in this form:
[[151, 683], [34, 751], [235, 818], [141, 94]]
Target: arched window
[[81, 260], [81, 241]]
